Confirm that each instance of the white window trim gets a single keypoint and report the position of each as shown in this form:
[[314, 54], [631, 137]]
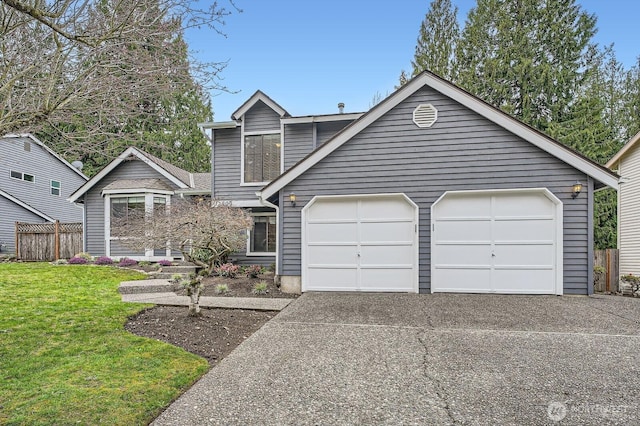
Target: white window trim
[[265, 132], [148, 202], [250, 253], [21, 178], [59, 188]]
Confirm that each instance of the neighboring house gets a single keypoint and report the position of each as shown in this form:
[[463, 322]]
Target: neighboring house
[[627, 164], [134, 180], [34, 185], [432, 190]]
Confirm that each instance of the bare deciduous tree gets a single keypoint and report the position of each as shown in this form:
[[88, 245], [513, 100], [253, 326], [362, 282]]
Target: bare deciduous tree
[[206, 234], [87, 72]]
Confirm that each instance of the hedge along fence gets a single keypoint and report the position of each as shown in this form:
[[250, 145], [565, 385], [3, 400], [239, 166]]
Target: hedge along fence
[[48, 241]]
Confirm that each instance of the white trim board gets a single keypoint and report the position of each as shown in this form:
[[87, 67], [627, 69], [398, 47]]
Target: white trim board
[[473, 103], [258, 96]]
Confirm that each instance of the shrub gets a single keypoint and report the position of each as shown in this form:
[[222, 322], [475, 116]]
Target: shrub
[[125, 261], [176, 278], [228, 270], [84, 255], [60, 262], [222, 289], [103, 260], [78, 261], [253, 271], [165, 262], [272, 267], [260, 288], [144, 263]]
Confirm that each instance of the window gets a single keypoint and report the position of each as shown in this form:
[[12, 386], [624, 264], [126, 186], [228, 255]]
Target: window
[[261, 157], [22, 176], [55, 187], [122, 208], [262, 238]]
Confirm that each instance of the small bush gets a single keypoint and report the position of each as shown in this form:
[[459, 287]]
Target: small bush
[[222, 289], [84, 255], [125, 261], [272, 267], [103, 260], [165, 262], [253, 271], [176, 278], [78, 261], [60, 262], [144, 263], [228, 270], [260, 288]]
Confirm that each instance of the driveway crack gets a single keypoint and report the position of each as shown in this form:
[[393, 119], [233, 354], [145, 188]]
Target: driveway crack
[[439, 388]]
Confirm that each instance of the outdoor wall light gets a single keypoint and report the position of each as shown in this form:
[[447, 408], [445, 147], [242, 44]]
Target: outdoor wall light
[[292, 199], [577, 188]]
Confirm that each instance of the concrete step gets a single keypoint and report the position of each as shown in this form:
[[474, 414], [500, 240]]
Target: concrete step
[[146, 286], [167, 275], [182, 269]]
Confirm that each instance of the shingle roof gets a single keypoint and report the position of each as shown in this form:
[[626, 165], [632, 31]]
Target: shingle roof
[[202, 181], [181, 174]]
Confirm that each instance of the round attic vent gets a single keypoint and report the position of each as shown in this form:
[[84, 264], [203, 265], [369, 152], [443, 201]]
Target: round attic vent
[[425, 115]]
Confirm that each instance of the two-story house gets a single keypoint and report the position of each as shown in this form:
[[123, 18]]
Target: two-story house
[[34, 185]]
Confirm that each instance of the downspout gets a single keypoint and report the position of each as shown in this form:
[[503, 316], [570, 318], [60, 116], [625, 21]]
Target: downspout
[[278, 228], [590, 238]]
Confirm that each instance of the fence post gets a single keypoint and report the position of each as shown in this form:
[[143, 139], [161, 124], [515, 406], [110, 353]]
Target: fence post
[[56, 239], [608, 284], [17, 245]]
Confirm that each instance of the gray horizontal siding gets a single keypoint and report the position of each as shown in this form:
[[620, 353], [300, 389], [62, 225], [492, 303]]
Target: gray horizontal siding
[[44, 167], [94, 203], [244, 260], [227, 167], [10, 213], [298, 143], [462, 151], [260, 118], [327, 130]]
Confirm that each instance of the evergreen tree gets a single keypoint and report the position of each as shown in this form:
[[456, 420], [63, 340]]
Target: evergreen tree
[[435, 47]]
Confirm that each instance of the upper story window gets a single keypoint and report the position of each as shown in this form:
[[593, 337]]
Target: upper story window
[[55, 187], [23, 176], [262, 157]]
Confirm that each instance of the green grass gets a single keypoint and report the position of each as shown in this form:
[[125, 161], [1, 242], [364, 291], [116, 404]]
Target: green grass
[[65, 357]]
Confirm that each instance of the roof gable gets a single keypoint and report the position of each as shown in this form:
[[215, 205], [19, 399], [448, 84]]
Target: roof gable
[[173, 173], [475, 104], [47, 149], [26, 206], [259, 96], [627, 148]]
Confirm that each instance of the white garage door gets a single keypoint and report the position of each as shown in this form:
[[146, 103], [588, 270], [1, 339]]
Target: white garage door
[[497, 242], [360, 243]]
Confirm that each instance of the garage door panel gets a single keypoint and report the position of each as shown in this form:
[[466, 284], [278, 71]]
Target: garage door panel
[[334, 255], [523, 255], [333, 279], [461, 230], [451, 207], [386, 231], [525, 281], [452, 254], [384, 255], [524, 230], [384, 208], [332, 232], [516, 205], [462, 280], [332, 210], [383, 279]]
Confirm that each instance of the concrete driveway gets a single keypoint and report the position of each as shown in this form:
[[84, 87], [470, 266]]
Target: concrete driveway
[[332, 359]]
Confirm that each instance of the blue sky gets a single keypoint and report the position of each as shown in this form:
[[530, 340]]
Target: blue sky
[[310, 55]]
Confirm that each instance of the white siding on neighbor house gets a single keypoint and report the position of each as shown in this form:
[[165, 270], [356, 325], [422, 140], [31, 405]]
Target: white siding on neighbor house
[[629, 213], [10, 213], [462, 151], [94, 202], [44, 167]]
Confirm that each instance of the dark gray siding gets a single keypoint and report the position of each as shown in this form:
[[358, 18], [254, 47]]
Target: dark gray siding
[[298, 142], [260, 117], [44, 167], [94, 202], [327, 130], [243, 259], [462, 151], [10, 213], [227, 168]]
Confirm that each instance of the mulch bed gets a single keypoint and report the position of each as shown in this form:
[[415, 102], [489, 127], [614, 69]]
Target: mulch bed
[[213, 335], [241, 286]]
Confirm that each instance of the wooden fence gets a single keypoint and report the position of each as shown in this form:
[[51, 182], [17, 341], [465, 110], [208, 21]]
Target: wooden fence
[[48, 241], [606, 264]]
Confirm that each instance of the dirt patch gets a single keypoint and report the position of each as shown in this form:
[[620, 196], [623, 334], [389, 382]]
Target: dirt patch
[[212, 336], [241, 286]]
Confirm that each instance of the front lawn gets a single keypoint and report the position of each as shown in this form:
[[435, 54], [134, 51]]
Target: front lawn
[[65, 357]]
